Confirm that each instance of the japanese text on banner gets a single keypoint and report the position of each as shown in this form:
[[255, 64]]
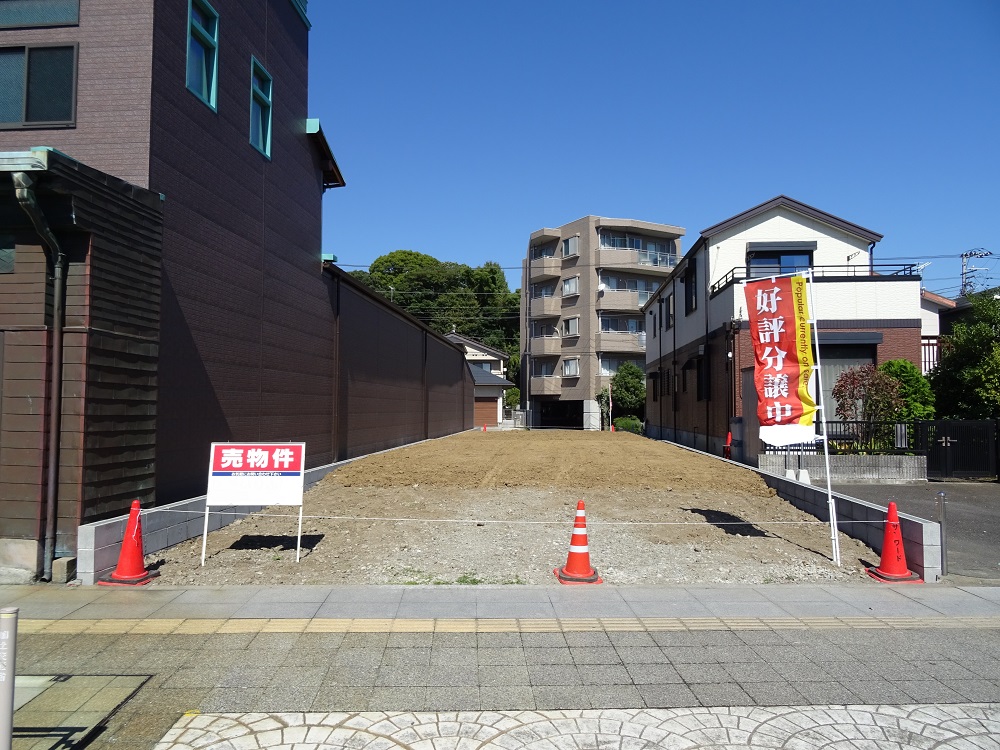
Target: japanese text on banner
[[783, 356]]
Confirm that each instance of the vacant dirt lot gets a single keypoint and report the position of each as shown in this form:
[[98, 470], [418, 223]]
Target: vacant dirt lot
[[498, 507]]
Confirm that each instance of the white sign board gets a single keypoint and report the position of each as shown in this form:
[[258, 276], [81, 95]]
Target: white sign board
[[255, 474]]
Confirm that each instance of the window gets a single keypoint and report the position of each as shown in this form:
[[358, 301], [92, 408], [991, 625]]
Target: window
[[620, 241], [691, 287], [644, 287], [485, 365], [543, 251], [667, 382], [703, 382], [610, 365], [37, 86], [542, 329], [654, 382], [260, 108], [775, 258], [571, 246], [203, 51], [571, 327], [571, 368], [544, 368], [658, 254], [571, 286], [27, 13], [668, 313], [622, 324], [543, 290]]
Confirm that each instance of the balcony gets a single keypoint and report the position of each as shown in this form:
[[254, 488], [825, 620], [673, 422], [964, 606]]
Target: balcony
[[543, 345], [613, 299], [634, 261], [550, 385], [546, 307], [626, 343], [541, 269], [900, 271]]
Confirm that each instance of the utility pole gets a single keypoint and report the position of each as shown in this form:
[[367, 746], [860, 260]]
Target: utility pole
[[968, 272]]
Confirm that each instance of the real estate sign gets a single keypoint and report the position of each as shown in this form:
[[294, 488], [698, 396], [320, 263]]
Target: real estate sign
[[255, 474], [782, 343]]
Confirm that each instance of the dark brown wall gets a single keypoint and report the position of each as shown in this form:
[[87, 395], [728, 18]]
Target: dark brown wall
[[246, 353], [113, 88]]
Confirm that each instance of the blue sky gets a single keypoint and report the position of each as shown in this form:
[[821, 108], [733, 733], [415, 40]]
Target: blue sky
[[462, 127]]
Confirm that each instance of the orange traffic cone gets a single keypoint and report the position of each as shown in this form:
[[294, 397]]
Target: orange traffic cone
[[727, 449], [131, 570], [578, 568], [612, 428], [892, 568], [484, 426]]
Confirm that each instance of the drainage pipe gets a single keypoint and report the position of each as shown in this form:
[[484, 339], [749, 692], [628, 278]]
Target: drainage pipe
[[24, 187]]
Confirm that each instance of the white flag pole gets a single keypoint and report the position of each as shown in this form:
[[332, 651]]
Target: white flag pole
[[821, 410]]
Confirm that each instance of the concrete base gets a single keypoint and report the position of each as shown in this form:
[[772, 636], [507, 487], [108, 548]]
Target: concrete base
[[21, 554], [848, 468], [63, 569], [591, 415]]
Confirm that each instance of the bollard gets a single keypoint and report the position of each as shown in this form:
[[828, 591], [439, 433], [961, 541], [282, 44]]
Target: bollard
[[941, 501], [8, 652]]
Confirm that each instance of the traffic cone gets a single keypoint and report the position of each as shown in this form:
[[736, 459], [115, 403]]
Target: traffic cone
[[131, 570], [612, 428], [892, 568], [727, 449], [484, 426], [578, 568]]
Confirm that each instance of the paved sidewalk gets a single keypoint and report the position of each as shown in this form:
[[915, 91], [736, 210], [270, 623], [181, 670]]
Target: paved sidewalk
[[315, 652]]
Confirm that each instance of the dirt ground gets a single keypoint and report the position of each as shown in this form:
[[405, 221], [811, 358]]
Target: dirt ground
[[498, 508]]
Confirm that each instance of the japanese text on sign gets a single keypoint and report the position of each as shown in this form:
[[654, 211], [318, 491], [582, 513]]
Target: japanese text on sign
[[256, 474]]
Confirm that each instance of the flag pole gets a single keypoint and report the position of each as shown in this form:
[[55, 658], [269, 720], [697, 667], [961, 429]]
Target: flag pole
[[821, 408]]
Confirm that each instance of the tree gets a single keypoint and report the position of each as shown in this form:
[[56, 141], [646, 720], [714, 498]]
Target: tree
[[866, 394], [966, 381], [474, 302], [914, 390], [512, 398], [628, 391]]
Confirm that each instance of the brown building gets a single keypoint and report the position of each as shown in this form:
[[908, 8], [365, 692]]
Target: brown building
[[202, 102]]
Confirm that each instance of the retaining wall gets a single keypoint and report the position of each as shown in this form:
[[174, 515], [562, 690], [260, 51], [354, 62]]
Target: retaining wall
[[890, 469]]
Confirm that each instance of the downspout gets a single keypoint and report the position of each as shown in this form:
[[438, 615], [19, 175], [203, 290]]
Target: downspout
[[24, 184], [871, 259]]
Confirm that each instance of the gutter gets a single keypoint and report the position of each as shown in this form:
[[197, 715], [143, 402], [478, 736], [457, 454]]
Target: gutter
[[24, 189]]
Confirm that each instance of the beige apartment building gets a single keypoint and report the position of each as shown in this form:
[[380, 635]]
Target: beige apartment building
[[582, 289]]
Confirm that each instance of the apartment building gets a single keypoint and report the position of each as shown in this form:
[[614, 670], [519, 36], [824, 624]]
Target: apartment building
[[582, 291], [699, 361]]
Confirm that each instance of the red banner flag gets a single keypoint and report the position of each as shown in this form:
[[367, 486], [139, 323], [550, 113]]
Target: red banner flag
[[783, 356]]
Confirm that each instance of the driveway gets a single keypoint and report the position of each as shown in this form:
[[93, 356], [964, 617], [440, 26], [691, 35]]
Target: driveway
[[972, 519]]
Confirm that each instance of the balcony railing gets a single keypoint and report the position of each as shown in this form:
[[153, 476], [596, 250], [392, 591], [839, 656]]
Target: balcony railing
[[546, 385], [545, 268], [545, 307], [905, 270], [621, 341], [546, 345]]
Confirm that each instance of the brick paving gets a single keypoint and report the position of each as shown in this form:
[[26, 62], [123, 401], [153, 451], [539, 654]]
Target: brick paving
[[254, 660]]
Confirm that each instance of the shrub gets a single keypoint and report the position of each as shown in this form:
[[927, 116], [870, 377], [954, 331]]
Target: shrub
[[629, 424]]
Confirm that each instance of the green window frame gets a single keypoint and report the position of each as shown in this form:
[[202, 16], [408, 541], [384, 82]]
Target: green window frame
[[38, 86], [260, 108], [203, 51], [26, 14]]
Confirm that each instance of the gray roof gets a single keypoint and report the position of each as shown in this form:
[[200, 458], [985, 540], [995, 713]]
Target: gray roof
[[484, 377], [802, 208]]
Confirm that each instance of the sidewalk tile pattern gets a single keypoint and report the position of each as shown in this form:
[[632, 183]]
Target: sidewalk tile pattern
[[842, 727]]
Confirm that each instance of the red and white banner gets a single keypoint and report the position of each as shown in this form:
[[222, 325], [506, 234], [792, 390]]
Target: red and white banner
[[783, 356]]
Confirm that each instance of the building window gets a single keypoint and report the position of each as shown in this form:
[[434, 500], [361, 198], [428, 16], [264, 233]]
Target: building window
[[622, 324], [776, 258], [644, 287], [485, 366], [542, 329], [37, 87], [691, 288], [571, 327], [658, 254], [22, 14], [543, 251], [571, 286], [703, 382], [543, 290], [571, 368], [543, 368], [610, 365], [620, 241], [203, 51], [570, 247], [260, 108], [667, 382], [668, 313]]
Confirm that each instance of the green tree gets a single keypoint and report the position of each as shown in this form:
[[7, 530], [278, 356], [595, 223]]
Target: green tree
[[474, 302], [966, 381], [914, 390], [512, 398], [628, 391]]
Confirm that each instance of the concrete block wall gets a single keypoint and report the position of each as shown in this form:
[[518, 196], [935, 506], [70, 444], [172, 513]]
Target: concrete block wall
[[888, 469]]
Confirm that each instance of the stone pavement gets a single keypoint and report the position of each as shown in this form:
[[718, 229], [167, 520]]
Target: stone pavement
[[697, 666]]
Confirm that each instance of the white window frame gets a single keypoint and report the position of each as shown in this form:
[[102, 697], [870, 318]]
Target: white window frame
[[575, 291], [571, 364], [570, 247], [571, 326]]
